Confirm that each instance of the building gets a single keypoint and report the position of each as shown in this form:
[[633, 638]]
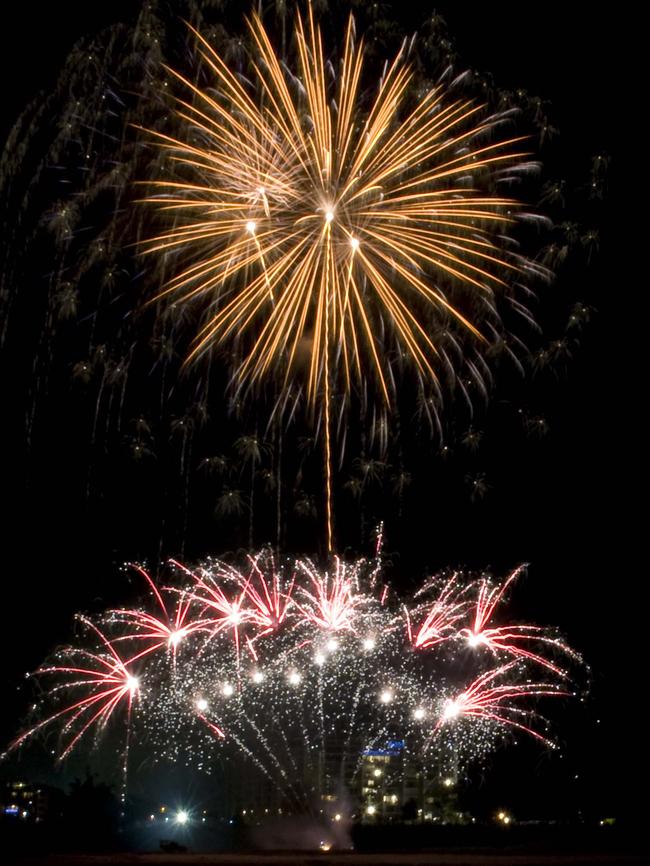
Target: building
[[392, 787], [29, 802]]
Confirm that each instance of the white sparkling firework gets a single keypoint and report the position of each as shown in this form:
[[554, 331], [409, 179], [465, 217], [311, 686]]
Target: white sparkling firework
[[302, 671]]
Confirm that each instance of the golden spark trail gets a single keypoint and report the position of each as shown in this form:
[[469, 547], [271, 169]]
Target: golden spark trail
[[328, 444]]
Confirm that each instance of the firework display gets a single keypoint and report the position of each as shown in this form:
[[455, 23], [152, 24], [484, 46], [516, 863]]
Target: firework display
[[331, 243], [343, 252], [301, 671], [312, 225]]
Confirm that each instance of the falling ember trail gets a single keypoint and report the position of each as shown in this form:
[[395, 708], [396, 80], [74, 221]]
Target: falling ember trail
[[326, 373]]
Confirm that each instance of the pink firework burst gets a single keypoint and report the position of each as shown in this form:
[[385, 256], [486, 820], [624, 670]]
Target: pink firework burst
[[440, 616], [509, 638], [103, 677], [486, 698], [223, 612], [370, 650], [166, 630], [329, 601], [270, 600]]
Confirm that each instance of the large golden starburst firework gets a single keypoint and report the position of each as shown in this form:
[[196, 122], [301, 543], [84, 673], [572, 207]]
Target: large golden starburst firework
[[325, 233]]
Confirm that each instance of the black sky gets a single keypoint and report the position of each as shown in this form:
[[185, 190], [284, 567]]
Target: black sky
[[565, 507]]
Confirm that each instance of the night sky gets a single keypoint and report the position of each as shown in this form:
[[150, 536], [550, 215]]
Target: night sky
[[562, 503]]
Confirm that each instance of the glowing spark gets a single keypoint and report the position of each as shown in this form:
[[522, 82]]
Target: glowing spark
[[451, 710]]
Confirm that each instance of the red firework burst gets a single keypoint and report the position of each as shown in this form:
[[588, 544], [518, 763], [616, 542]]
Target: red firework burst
[[106, 681], [270, 600], [167, 630], [485, 698], [440, 616], [329, 601], [224, 613], [509, 638]]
